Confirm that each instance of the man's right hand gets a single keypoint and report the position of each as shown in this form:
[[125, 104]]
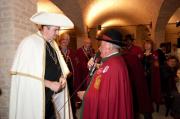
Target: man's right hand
[[80, 94], [53, 85], [90, 63]]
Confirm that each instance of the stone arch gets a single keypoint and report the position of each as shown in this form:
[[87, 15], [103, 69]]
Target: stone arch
[[74, 13], [166, 10]]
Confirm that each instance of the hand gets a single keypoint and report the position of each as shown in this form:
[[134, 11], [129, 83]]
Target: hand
[[54, 86], [90, 63], [62, 82], [80, 94]]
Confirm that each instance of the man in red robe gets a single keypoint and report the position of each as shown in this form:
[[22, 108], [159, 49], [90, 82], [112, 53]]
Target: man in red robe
[[84, 54], [141, 100], [109, 93], [131, 48]]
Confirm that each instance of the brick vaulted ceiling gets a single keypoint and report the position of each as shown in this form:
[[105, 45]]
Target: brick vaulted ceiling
[[91, 13]]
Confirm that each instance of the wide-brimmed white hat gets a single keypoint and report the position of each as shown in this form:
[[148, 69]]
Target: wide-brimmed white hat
[[52, 19]]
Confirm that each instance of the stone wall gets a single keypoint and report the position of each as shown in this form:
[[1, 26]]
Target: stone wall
[[14, 25]]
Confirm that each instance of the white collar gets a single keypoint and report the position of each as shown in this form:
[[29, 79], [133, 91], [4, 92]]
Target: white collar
[[112, 54]]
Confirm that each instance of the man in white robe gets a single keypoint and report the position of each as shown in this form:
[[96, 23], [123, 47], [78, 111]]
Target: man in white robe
[[31, 68]]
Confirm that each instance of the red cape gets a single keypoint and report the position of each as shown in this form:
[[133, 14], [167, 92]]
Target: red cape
[[141, 99], [71, 56], [82, 68], [109, 93], [135, 50]]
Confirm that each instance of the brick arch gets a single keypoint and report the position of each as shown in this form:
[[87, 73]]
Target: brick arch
[[167, 9]]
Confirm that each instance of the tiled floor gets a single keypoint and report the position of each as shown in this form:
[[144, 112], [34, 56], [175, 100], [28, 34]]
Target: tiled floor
[[159, 115]]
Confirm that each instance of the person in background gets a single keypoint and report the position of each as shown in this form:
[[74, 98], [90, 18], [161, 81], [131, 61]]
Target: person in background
[[169, 73], [142, 103], [131, 48], [71, 60], [162, 61], [84, 54], [161, 54], [39, 71], [176, 95], [168, 83], [109, 93], [152, 72]]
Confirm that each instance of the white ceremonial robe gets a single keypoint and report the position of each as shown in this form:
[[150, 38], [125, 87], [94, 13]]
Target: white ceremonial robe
[[27, 97]]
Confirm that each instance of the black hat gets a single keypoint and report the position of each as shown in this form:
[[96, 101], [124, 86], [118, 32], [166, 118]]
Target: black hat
[[112, 36]]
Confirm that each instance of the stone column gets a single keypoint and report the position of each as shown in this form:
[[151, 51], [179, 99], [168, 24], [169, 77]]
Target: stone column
[[159, 37], [14, 25], [142, 32]]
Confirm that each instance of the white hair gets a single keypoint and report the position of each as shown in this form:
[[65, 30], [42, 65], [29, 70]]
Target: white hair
[[116, 46]]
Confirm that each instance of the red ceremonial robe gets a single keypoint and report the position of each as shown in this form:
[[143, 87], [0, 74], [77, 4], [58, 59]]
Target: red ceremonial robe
[[109, 93], [83, 71], [141, 100], [71, 60], [135, 50]]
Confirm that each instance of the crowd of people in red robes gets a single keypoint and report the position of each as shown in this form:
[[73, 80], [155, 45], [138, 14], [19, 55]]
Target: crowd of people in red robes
[[152, 74], [109, 93], [133, 56]]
